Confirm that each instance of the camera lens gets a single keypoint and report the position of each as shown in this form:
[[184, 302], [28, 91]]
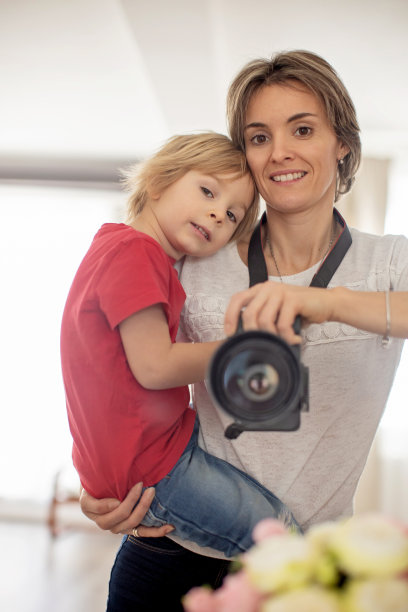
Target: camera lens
[[255, 376], [259, 382], [258, 378]]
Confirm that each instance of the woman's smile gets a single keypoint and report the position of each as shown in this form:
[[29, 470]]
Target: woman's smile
[[287, 176]]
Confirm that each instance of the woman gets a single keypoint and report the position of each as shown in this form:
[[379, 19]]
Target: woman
[[297, 124]]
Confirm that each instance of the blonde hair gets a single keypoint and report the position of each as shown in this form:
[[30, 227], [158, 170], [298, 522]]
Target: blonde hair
[[316, 74], [207, 152]]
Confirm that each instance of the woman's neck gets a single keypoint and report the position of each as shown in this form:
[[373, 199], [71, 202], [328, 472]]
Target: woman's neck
[[294, 243]]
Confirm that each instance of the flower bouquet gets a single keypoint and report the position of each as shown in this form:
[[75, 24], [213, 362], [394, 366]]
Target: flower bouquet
[[358, 565]]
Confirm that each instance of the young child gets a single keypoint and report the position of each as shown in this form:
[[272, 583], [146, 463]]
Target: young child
[[125, 376]]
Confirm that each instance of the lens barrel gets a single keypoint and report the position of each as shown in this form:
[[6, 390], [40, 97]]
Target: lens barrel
[[258, 378]]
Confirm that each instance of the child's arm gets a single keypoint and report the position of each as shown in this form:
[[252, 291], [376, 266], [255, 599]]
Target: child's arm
[[155, 361]]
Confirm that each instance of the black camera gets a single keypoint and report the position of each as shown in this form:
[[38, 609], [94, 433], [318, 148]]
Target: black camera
[[259, 379]]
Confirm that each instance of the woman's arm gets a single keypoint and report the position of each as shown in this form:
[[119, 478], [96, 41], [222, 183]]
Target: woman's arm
[[274, 306], [156, 362], [122, 517]]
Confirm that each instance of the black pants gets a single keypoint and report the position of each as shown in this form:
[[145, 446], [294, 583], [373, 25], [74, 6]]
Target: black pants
[[153, 574]]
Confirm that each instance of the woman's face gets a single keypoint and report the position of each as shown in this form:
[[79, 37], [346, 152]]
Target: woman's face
[[291, 148]]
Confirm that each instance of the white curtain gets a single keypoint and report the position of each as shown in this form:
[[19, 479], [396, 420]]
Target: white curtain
[[377, 204], [393, 435]]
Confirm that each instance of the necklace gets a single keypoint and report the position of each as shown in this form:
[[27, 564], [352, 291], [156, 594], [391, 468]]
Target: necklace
[[268, 242]]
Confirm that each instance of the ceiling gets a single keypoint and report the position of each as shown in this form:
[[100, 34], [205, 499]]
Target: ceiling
[[111, 79]]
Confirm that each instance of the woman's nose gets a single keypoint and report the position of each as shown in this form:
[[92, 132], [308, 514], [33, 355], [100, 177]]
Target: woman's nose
[[280, 150]]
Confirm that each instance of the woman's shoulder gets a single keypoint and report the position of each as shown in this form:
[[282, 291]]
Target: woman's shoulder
[[227, 256], [221, 274], [388, 246], [386, 239], [375, 262]]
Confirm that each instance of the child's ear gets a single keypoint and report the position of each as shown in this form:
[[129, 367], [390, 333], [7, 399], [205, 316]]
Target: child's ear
[[153, 192], [154, 195]]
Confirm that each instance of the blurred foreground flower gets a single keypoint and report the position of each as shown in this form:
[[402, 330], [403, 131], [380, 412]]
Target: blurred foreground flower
[[376, 595], [237, 594], [359, 565], [308, 599], [370, 546]]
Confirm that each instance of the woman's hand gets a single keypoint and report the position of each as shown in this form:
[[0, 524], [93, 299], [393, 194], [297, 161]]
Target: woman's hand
[[274, 306], [122, 517]]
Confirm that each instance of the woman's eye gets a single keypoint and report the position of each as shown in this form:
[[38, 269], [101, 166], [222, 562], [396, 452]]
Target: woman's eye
[[303, 131], [231, 216], [207, 192], [258, 139]]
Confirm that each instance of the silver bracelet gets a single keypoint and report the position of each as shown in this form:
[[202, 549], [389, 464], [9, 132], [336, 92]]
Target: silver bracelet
[[386, 337]]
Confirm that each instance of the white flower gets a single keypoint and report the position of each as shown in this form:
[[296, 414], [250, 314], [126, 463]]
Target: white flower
[[376, 595], [310, 599], [319, 536], [370, 546], [280, 562]]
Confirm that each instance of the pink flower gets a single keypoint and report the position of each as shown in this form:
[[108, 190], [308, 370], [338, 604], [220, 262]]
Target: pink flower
[[199, 599], [235, 595], [267, 528]]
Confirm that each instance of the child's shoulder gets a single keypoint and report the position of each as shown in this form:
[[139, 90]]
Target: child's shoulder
[[115, 230], [121, 233], [118, 240]]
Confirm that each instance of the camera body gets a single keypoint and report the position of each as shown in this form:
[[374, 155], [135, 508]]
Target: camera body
[[259, 379]]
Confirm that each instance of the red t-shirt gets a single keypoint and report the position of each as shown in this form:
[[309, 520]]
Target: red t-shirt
[[122, 432]]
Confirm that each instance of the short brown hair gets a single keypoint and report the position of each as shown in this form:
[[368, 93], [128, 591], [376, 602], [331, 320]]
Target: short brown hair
[[208, 152], [316, 74]]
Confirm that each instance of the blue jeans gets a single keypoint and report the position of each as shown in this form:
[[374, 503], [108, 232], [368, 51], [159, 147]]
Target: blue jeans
[[152, 574], [212, 503]]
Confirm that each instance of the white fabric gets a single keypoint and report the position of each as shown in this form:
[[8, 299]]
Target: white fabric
[[314, 470]]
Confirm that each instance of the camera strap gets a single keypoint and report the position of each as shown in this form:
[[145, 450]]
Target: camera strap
[[258, 272]]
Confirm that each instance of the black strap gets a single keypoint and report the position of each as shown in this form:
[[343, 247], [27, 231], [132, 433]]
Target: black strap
[[258, 271]]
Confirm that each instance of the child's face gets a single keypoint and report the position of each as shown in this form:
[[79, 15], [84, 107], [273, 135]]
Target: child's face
[[199, 213]]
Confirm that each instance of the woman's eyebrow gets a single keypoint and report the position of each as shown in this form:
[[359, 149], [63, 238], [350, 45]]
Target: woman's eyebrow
[[300, 116], [255, 124], [296, 117]]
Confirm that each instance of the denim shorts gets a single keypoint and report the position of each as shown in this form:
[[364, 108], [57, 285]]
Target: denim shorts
[[212, 503]]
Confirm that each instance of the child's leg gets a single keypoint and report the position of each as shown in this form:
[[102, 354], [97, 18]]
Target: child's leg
[[213, 503]]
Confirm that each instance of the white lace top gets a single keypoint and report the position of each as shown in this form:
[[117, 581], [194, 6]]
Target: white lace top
[[315, 470]]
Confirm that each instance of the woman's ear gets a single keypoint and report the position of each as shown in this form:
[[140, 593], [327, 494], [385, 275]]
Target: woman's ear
[[343, 150]]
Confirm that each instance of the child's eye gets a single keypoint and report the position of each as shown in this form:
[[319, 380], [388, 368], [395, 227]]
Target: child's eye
[[207, 192], [231, 216], [303, 131], [258, 139]]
